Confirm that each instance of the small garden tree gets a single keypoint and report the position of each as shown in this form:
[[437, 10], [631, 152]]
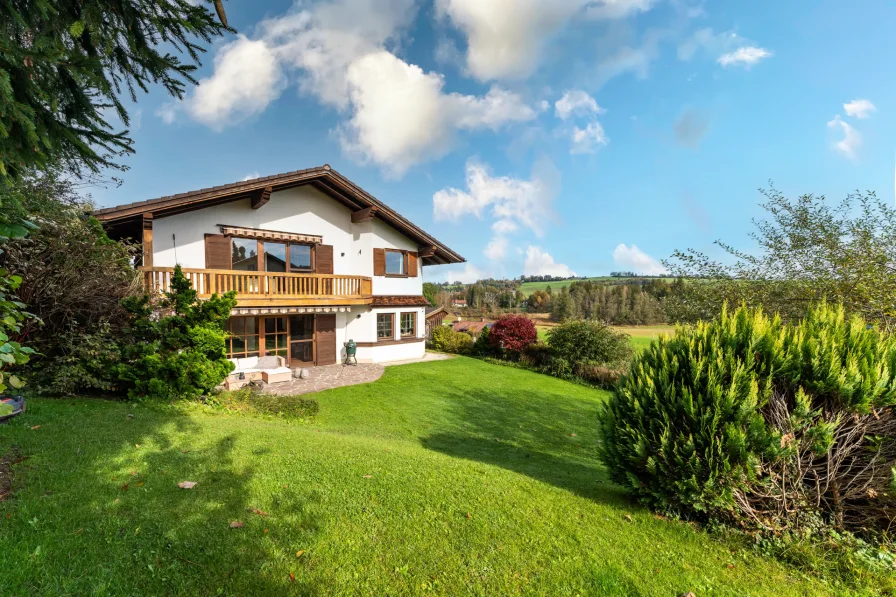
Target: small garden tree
[[808, 249], [579, 342], [180, 354], [512, 333], [750, 420]]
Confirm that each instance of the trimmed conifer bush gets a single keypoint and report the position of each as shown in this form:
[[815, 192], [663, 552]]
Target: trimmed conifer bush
[[759, 423]]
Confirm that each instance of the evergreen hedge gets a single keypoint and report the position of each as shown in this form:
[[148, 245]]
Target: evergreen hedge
[[747, 419]]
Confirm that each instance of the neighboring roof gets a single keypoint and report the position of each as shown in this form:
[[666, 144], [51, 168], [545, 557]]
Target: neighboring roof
[[473, 327], [460, 301], [323, 178], [433, 311], [399, 301]]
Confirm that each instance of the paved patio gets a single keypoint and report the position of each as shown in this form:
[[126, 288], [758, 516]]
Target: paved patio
[[327, 377]]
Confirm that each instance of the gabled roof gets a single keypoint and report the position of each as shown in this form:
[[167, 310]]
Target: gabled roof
[[323, 178]]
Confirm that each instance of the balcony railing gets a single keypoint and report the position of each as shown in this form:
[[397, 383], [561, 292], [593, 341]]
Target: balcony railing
[[263, 285]]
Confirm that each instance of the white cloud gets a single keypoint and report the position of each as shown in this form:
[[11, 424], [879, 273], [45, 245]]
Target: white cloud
[[709, 41], [167, 112], [851, 140], [401, 117], [496, 249], [511, 201], [859, 108], [616, 9], [540, 263], [634, 259], [746, 56], [576, 103], [246, 79], [631, 58], [397, 115], [252, 176], [588, 139], [505, 38], [468, 275]]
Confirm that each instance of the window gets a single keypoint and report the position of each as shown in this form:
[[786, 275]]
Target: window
[[384, 328], [276, 339], [395, 262], [408, 325], [244, 254], [243, 340], [300, 258], [274, 257]]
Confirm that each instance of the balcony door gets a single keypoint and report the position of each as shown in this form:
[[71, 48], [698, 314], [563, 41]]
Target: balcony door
[[301, 340]]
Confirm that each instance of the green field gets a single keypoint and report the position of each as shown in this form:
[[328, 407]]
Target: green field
[[529, 287], [448, 478], [640, 335]]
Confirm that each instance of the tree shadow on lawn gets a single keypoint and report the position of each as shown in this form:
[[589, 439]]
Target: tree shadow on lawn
[[547, 437], [110, 518]]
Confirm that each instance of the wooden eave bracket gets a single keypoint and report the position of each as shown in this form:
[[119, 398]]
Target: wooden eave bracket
[[363, 215], [261, 197], [426, 251]]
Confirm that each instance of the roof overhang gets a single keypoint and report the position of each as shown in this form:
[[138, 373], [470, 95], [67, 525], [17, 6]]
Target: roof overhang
[[124, 221]]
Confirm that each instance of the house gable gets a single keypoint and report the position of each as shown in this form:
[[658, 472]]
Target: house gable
[[263, 193]]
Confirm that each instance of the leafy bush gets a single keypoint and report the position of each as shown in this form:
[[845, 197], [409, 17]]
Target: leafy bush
[[84, 361], [247, 400], [599, 375], [178, 355], [445, 339], [482, 347], [578, 342], [512, 333], [537, 355], [769, 425]]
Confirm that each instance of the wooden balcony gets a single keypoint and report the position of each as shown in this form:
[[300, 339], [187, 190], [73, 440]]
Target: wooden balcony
[[263, 289]]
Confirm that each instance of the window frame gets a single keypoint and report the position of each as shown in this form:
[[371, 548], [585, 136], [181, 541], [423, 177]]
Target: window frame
[[230, 336], [259, 252], [413, 332], [404, 262], [391, 335], [290, 268]]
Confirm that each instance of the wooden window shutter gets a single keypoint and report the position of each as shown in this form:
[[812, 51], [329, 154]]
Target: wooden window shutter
[[379, 262], [326, 339], [217, 251], [413, 267], [323, 255]]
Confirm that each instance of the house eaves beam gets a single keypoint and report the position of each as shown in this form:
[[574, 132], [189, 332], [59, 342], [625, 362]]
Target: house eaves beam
[[261, 197]]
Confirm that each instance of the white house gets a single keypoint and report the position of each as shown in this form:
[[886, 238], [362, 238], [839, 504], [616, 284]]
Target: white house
[[314, 261]]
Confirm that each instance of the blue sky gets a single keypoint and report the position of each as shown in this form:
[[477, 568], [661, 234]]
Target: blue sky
[[536, 136]]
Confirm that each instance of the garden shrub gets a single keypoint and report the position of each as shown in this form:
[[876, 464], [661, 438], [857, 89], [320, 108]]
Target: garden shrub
[[84, 360], [481, 346], [599, 375], [766, 425], [175, 349], [538, 355], [445, 339], [578, 343], [512, 334]]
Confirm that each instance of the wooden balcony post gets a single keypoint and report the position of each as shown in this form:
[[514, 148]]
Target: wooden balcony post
[[147, 240]]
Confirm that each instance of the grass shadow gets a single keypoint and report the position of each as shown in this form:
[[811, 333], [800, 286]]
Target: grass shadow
[[543, 435], [106, 515]]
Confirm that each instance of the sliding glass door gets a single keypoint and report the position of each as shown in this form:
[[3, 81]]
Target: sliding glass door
[[301, 340]]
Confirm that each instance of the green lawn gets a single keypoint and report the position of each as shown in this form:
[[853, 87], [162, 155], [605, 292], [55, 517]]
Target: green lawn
[[448, 478]]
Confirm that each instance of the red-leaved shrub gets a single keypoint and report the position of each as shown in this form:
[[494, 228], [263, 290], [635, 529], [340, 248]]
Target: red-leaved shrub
[[513, 333]]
